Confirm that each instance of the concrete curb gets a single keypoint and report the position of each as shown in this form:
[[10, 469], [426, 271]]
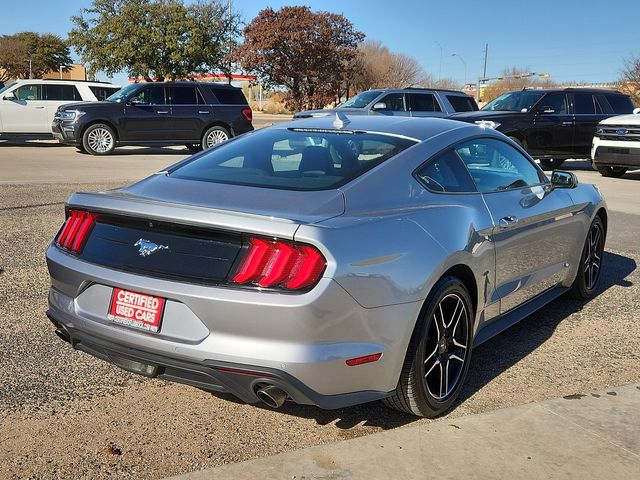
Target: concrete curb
[[595, 435]]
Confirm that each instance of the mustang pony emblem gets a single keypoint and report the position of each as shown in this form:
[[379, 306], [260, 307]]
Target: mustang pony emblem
[[147, 247]]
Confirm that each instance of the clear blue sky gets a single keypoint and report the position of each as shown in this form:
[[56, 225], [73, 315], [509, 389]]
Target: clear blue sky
[[574, 41]]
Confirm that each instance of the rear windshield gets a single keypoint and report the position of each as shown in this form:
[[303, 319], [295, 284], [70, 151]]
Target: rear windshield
[[293, 159]]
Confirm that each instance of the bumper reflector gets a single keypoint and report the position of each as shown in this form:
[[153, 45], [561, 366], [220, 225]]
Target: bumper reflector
[[374, 357]]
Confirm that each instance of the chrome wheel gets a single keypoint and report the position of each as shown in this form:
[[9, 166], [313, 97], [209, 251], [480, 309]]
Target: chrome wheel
[[215, 136], [100, 140], [446, 346], [592, 258]]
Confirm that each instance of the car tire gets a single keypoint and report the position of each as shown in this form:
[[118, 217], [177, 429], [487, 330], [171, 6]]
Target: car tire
[[551, 163], [214, 136], [194, 147], [99, 139], [586, 281], [424, 388], [607, 171], [81, 148]]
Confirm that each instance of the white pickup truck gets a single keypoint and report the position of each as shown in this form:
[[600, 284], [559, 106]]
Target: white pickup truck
[[616, 145]]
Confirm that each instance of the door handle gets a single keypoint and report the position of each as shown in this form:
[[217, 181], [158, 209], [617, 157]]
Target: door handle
[[38, 108], [162, 111], [508, 221], [203, 112]]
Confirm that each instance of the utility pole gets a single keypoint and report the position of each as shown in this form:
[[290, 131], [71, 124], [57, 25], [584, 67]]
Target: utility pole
[[486, 52], [230, 40], [30, 73]]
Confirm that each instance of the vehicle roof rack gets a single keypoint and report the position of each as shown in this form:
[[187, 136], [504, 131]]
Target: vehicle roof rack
[[66, 80]]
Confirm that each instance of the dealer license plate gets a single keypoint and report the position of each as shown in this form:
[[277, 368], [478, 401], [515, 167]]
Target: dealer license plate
[[136, 310]]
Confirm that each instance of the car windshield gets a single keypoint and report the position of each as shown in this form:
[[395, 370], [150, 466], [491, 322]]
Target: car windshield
[[123, 93], [515, 101], [293, 158], [7, 87], [361, 100]]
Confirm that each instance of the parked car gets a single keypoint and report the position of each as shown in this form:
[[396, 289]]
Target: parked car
[[616, 145], [551, 124], [175, 113], [330, 261], [28, 106], [406, 102]]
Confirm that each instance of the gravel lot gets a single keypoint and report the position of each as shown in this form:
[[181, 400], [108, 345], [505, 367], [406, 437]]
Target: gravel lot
[[64, 414]]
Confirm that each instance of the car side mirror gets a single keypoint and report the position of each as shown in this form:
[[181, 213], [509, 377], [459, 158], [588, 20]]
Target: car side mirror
[[547, 110], [135, 101], [563, 179], [636, 110], [9, 96], [380, 106]]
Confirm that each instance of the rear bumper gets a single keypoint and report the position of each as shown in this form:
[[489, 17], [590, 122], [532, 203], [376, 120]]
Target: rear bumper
[[302, 340], [242, 381]]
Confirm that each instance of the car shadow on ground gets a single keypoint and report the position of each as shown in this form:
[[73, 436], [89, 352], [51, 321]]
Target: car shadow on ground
[[29, 142], [488, 361]]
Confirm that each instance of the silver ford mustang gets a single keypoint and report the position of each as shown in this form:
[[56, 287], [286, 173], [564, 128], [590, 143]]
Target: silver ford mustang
[[330, 261]]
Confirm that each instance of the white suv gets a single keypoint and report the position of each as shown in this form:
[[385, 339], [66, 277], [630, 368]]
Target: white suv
[[616, 145], [28, 106]]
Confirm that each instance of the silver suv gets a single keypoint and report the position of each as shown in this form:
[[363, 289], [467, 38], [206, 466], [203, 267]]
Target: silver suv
[[408, 102]]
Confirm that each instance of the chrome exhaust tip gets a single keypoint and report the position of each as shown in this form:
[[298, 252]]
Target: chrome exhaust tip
[[272, 396]]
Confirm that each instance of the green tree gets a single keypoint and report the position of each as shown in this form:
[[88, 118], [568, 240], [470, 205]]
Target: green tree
[[155, 38], [307, 52], [28, 53]]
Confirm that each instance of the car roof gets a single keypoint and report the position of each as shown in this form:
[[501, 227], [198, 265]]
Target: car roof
[[412, 127], [415, 89], [570, 89], [64, 81], [190, 84]]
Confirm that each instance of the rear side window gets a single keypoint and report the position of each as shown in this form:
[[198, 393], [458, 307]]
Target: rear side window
[[28, 92], [185, 96], [61, 92], [462, 103], [229, 96], [583, 104], [293, 159], [620, 103], [423, 102], [102, 93], [446, 173]]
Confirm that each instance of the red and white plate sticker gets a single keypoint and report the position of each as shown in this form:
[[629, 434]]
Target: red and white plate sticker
[[136, 310]]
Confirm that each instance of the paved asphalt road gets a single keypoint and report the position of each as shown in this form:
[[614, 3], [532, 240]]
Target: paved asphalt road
[[64, 414]]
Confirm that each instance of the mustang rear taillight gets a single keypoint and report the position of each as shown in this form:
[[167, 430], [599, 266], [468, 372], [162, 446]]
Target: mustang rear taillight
[[76, 230], [280, 264], [248, 114]]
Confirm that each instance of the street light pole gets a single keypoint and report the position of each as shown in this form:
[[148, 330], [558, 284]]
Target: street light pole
[[465, 66]]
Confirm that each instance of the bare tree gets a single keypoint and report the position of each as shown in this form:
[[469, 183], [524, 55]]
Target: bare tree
[[376, 66], [630, 78]]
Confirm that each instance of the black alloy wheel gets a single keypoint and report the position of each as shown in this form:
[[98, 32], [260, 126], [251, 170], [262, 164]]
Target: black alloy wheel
[[586, 282], [438, 357]]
